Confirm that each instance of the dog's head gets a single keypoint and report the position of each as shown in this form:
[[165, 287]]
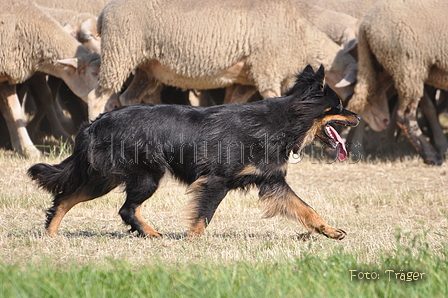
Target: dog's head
[[316, 102]]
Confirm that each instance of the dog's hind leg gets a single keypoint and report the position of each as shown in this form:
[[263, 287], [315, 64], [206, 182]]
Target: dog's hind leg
[[62, 203], [139, 188], [208, 194], [280, 199]]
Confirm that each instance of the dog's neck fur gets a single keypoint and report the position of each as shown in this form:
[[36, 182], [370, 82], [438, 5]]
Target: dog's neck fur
[[298, 128]]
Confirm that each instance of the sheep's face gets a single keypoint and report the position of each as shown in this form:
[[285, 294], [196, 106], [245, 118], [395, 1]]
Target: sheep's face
[[89, 37], [81, 74], [376, 112]]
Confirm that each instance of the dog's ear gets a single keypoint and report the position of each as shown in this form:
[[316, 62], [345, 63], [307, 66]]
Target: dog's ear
[[308, 79], [308, 71], [320, 75]]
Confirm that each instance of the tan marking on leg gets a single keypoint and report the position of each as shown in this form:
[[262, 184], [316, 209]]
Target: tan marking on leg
[[286, 203], [197, 184], [249, 170], [197, 225], [150, 232], [197, 228], [65, 205]]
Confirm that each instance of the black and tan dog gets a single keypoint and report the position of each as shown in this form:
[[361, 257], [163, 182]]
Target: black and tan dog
[[213, 150]]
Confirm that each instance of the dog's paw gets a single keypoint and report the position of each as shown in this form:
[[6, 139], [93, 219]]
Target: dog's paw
[[150, 236], [142, 234], [193, 234], [332, 233]]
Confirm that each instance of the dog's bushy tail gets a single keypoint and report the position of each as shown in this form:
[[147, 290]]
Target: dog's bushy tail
[[71, 175]]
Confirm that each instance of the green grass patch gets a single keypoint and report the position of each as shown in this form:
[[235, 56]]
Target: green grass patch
[[240, 254], [57, 150], [405, 273]]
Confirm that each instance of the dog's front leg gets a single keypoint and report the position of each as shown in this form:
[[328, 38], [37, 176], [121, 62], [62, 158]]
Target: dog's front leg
[[280, 199], [208, 192]]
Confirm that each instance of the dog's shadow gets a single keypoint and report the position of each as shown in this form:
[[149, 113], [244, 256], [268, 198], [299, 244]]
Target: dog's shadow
[[307, 236], [182, 236], [121, 235], [172, 236]]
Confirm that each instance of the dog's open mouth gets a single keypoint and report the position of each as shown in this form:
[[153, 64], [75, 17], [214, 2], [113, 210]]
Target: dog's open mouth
[[336, 142]]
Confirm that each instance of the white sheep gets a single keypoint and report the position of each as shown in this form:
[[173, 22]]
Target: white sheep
[[354, 8], [396, 44], [94, 7], [81, 26], [211, 44], [329, 18], [340, 27], [32, 41]]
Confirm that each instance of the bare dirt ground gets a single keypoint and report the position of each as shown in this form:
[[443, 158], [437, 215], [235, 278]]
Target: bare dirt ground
[[372, 201]]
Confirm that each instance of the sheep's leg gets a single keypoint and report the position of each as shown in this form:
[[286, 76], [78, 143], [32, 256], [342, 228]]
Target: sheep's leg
[[154, 94], [41, 91], [206, 98], [200, 98], [33, 125], [390, 134], [407, 121], [12, 111], [270, 93], [195, 97], [280, 199], [392, 127], [76, 106], [440, 140], [13, 135], [208, 194], [56, 86], [238, 93], [141, 85], [96, 101], [67, 124], [28, 101], [443, 99]]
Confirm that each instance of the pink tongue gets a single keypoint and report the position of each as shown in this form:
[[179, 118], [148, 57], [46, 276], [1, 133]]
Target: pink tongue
[[342, 152]]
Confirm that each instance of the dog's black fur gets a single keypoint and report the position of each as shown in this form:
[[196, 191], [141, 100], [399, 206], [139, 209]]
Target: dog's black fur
[[213, 150]]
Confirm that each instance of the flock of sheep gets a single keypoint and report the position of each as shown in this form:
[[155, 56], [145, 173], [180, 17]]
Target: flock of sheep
[[377, 54]]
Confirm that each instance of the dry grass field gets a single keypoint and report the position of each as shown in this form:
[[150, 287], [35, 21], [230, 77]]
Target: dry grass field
[[376, 203]]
